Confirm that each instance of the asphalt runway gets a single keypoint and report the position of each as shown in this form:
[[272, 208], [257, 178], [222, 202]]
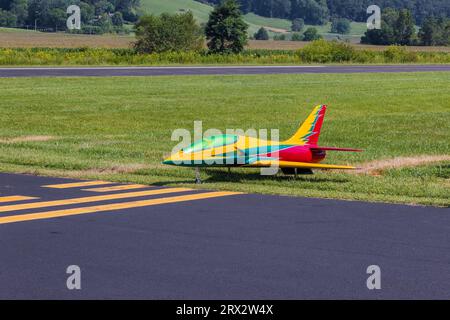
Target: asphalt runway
[[213, 70], [134, 241]]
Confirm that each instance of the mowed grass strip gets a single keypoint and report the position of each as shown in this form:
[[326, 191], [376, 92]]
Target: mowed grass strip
[[119, 129]]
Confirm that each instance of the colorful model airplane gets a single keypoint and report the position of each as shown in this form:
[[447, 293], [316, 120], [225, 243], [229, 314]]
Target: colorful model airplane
[[297, 155]]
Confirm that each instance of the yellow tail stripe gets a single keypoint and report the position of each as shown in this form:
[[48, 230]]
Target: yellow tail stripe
[[117, 188], [76, 184], [54, 203], [112, 207], [16, 198]]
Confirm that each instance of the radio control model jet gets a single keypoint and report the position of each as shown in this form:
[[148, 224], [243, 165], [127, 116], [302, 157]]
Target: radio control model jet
[[297, 155]]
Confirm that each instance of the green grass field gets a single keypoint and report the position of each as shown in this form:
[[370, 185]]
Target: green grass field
[[120, 129], [254, 19]]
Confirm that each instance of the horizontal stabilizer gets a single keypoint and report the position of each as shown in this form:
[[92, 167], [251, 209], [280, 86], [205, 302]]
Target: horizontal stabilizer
[[293, 164], [334, 149]]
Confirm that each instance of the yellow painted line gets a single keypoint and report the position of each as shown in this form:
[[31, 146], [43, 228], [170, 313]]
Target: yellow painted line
[[76, 184], [118, 188], [54, 203], [16, 198], [112, 207]]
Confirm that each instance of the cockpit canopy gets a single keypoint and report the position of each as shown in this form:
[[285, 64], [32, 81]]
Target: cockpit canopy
[[211, 142]]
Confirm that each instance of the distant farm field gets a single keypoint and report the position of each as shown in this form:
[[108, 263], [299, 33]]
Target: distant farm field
[[295, 45], [16, 38], [120, 129]]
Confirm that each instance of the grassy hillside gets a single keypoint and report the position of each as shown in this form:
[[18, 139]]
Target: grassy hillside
[[14, 30], [200, 11], [120, 129], [252, 18], [271, 24], [274, 25]]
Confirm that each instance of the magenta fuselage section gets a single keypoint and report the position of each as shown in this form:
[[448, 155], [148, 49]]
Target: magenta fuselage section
[[299, 154]]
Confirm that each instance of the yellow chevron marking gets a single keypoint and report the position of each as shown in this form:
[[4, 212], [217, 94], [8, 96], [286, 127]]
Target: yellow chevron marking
[[54, 203], [76, 184], [112, 207], [16, 198], [117, 188]]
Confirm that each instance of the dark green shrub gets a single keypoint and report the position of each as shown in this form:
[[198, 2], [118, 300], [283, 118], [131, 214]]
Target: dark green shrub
[[311, 34], [297, 37], [168, 32], [298, 25], [279, 37], [341, 26], [262, 34]]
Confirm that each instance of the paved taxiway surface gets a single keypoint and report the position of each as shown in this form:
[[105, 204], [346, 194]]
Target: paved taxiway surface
[[214, 70], [153, 242]]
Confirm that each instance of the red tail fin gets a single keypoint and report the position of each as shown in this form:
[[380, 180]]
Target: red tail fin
[[309, 131]]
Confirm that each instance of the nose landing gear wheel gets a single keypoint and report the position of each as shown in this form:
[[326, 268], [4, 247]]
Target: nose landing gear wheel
[[198, 179]]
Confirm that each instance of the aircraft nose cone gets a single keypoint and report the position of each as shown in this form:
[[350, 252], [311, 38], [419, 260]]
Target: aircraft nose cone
[[168, 161], [175, 159]]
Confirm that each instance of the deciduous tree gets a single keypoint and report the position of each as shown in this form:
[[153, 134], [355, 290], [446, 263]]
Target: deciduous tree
[[226, 30]]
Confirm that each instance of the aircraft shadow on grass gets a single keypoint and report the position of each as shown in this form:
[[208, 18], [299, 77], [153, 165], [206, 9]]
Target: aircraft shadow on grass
[[218, 175], [234, 176]]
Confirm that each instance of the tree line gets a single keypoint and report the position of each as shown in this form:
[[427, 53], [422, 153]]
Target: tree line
[[108, 16], [398, 27], [321, 11], [399, 18], [311, 11], [97, 16]]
